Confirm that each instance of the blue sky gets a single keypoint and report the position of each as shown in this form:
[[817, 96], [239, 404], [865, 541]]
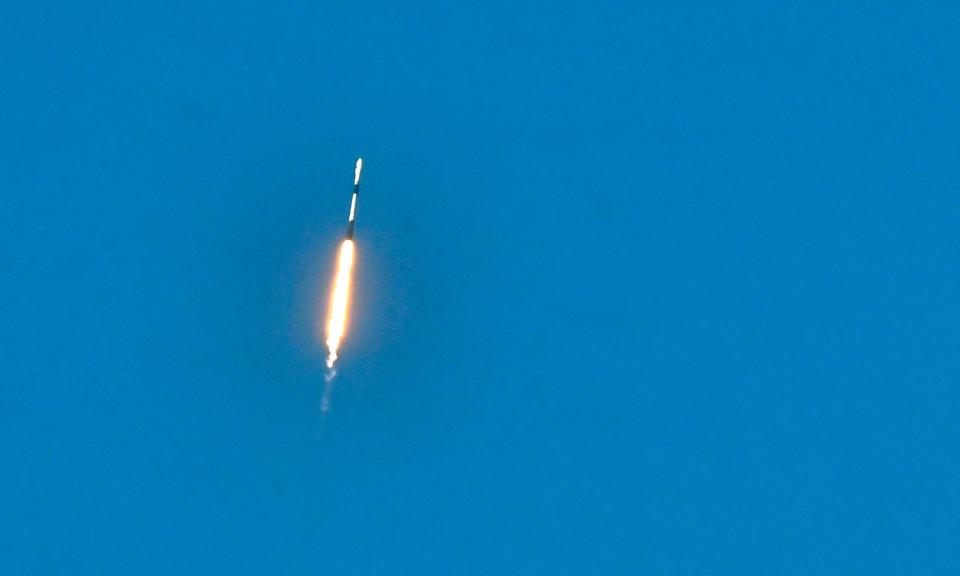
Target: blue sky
[[658, 288]]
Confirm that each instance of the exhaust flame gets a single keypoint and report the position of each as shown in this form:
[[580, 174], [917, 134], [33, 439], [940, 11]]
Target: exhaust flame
[[337, 319]]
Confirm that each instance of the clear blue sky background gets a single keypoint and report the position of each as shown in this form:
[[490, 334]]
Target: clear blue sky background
[[666, 288]]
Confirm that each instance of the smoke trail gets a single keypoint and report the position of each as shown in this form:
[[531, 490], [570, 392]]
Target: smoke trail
[[327, 389]]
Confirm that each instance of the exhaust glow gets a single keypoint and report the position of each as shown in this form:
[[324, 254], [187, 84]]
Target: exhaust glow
[[339, 303]]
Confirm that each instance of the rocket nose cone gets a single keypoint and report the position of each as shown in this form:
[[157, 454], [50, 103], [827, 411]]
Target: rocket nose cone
[[356, 171]]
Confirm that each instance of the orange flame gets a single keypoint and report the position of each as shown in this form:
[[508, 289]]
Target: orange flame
[[339, 303]]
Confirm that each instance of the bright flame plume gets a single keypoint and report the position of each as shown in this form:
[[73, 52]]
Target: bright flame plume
[[339, 303]]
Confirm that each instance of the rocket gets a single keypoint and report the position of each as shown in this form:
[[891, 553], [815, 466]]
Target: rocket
[[353, 201], [340, 297]]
